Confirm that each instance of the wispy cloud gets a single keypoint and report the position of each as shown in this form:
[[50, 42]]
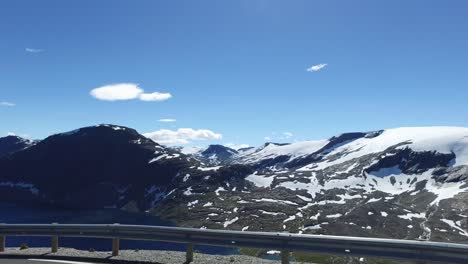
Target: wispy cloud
[[182, 136], [279, 136], [317, 67], [167, 120], [9, 104], [31, 50], [287, 135], [126, 91], [11, 134], [155, 96]]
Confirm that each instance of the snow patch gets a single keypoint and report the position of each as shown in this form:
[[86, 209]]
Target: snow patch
[[230, 222], [334, 216], [453, 225], [410, 216], [260, 180]]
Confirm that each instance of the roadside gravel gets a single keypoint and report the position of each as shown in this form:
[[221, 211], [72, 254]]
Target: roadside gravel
[[133, 256]]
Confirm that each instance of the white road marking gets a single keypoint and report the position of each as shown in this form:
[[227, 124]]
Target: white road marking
[[60, 261]]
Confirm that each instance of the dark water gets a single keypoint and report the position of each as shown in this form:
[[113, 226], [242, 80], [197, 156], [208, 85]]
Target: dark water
[[11, 214]]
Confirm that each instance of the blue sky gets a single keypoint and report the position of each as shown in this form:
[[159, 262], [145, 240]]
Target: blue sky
[[235, 68]]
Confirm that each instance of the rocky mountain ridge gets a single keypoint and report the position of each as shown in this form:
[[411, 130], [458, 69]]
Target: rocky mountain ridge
[[402, 183]]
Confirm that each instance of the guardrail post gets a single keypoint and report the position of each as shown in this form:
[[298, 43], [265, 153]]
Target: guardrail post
[[189, 253], [285, 256], [115, 246], [2, 243], [54, 243]]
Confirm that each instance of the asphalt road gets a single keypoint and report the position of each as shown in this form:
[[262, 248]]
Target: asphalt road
[[40, 261]]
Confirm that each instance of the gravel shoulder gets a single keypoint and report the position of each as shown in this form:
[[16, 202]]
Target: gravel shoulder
[[131, 256]]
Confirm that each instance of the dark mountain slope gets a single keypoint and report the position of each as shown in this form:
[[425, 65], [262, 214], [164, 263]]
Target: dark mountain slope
[[92, 167]]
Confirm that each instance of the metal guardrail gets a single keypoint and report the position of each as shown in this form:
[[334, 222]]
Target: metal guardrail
[[284, 242]]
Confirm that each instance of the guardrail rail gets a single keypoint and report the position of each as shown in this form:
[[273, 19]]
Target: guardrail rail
[[437, 252]]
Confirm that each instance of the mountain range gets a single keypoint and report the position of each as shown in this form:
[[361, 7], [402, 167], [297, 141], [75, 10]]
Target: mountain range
[[408, 183]]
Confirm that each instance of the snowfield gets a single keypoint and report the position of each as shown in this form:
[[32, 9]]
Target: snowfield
[[271, 150], [439, 139]]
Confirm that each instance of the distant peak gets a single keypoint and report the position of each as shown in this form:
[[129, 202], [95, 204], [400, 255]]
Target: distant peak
[[114, 127], [274, 144], [14, 138], [109, 127], [217, 148]]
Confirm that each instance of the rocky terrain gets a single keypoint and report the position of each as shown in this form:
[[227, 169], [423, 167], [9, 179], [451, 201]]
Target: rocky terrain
[[408, 183]]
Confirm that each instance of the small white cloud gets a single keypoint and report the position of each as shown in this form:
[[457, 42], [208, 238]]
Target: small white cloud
[[182, 136], [31, 50], [155, 96], [126, 91], [7, 104], [167, 120], [236, 146], [288, 135], [11, 134], [317, 67], [279, 136], [119, 91]]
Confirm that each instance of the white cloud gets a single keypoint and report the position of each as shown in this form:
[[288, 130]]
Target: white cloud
[[31, 50], [279, 136], [181, 136], [155, 96], [119, 91], [126, 91], [236, 146], [317, 67], [7, 104], [11, 134], [167, 120], [288, 135]]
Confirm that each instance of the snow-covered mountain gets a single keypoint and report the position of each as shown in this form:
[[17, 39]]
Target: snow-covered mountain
[[214, 155], [273, 154], [403, 183]]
